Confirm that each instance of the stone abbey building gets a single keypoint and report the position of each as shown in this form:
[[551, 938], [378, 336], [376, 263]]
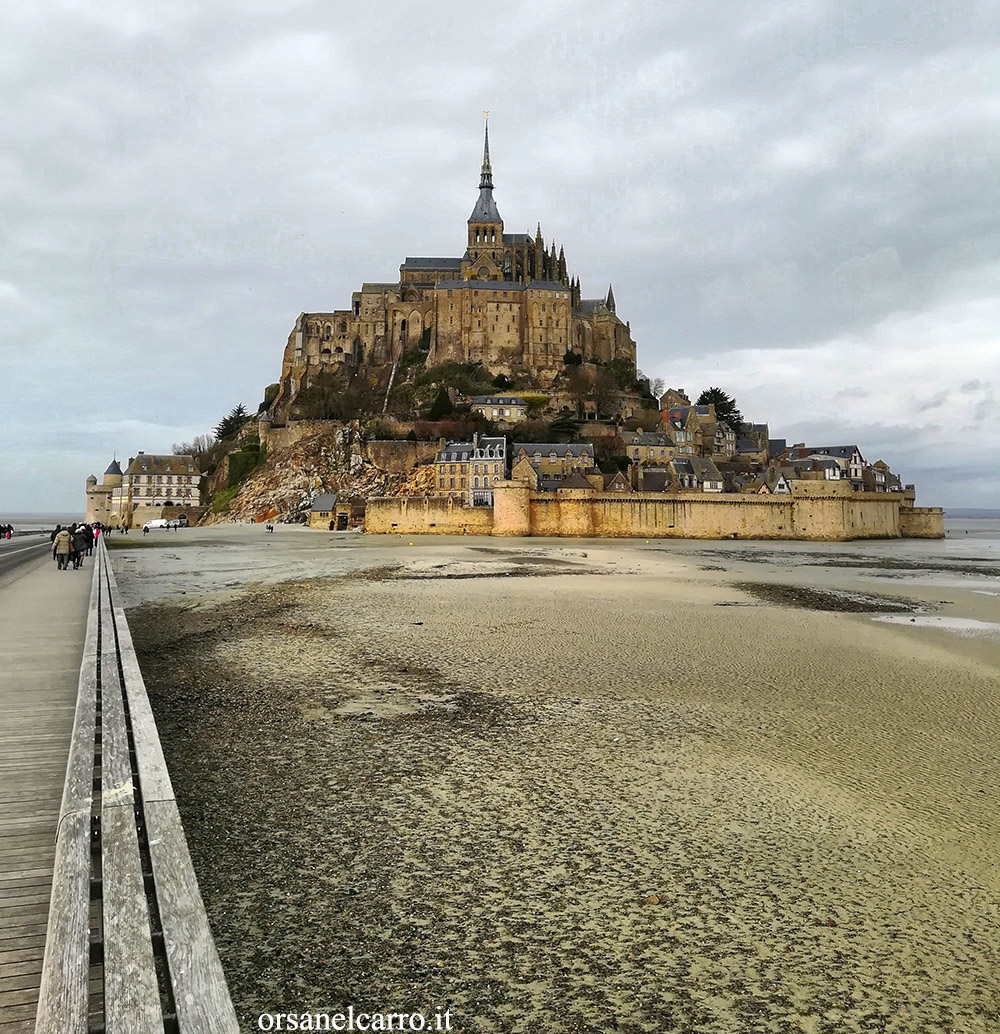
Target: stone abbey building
[[507, 302]]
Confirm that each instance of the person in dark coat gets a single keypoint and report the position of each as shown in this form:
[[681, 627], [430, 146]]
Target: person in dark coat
[[81, 541]]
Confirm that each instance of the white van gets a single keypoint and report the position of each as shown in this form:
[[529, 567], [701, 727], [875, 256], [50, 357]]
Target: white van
[[160, 522]]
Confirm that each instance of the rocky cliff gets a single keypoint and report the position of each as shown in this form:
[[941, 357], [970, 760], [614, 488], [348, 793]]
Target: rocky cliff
[[286, 483]]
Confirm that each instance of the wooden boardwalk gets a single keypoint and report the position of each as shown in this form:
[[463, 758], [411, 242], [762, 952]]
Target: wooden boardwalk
[[43, 620]]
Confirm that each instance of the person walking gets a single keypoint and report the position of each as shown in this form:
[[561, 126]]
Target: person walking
[[81, 543], [61, 545]]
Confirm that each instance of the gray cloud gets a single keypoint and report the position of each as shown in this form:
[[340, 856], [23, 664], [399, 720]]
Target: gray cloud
[[179, 184]]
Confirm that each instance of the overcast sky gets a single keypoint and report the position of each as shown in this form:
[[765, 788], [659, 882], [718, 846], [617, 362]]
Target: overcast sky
[[797, 201]]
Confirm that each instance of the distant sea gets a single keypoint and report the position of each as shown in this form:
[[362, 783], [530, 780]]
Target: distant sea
[[972, 513], [38, 521]]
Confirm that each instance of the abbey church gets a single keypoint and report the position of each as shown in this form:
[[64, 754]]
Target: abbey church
[[507, 302]]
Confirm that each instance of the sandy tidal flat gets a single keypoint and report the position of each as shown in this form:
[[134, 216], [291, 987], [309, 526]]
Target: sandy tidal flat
[[563, 786]]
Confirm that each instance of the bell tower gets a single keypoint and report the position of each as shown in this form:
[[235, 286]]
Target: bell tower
[[485, 247]]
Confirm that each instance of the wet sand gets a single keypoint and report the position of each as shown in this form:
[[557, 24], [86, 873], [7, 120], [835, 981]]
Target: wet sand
[[637, 798]]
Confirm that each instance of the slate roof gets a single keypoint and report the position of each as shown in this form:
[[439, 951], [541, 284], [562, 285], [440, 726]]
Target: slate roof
[[617, 476], [455, 452], [114, 468], [479, 285], [547, 285], [148, 463], [647, 438], [517, 238], [588, 306], [701, 467], [497, 400], [845, 452], [486, 210], [561, 448], [325, 501], [462, 452], [746, 445], [655, 480], [431, 263], [576, 480]]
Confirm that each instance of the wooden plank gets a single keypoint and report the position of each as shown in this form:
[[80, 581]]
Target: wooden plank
[[200, 991], [131, 995], [153, 776], [63, 986], [63, 996], [13, 969]]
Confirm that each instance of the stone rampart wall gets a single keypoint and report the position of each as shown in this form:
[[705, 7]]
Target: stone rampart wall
[[426, 515], [578, 513], [921, 522], [399, 457], [295, 430]]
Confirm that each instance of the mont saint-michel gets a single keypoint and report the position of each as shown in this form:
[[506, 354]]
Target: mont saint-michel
[[484, 394], [507, 303]]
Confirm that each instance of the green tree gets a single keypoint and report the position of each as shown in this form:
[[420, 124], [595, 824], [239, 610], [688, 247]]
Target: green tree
[[270, 394], [442, 405], [228, 427], [726, 411]]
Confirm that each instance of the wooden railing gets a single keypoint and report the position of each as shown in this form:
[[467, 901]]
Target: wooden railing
[[128, 948]]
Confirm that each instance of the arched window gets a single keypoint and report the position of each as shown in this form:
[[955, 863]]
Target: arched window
[[343, 328], [486, 482], [475, 482]]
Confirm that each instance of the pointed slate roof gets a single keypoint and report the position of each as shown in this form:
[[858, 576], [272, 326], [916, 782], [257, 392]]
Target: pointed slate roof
[[486, 210], [115, 468]]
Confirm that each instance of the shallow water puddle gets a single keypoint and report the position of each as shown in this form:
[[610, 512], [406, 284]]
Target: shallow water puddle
[[962, 626]]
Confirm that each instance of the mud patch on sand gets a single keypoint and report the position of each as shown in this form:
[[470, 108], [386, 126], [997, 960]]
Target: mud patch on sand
[[886, 566], [842, 600]]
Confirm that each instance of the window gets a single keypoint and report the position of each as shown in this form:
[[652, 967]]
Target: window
[[475, 482], [451, 482], [496, 468]]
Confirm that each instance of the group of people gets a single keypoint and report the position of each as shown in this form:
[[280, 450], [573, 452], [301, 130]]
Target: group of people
[[70, 545], [6, 530]]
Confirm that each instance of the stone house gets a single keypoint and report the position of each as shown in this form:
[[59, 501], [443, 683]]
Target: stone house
[[470, 469], [552, 459], [696, 473], [155, 486], [503, 409], [648, 446]]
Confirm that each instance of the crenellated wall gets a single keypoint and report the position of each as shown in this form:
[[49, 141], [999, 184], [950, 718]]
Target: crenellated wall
[[426, 515], [576, 513], [921, 522]]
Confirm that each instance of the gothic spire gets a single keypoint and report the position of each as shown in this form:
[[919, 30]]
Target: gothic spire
[[486, 208], [610, 300], [486, 177]]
